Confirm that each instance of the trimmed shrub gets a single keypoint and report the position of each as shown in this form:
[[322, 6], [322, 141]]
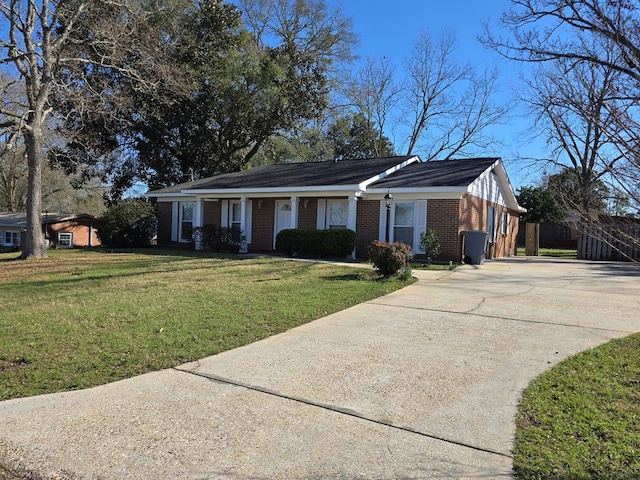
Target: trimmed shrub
[[430, 243], [389, 258], [405, 273], [219, 238], [332, 243], [337, 242], [129, 223]]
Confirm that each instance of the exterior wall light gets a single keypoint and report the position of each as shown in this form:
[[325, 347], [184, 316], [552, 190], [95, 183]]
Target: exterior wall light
[[388, 199]]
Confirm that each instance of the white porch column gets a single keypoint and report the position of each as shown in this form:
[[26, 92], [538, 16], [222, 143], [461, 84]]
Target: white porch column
[[351, 217], [321, 218], [198, 220], [294, 212], [175, 213], [352, 213], [245, 225], [224, 213]]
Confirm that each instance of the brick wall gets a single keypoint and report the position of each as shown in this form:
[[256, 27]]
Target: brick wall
[[505, 245], [473, 211], [308, 217], [164, 223], [443, 215], [474, 217], [262, 225], [367, 225], [212, 213], [83, 232]]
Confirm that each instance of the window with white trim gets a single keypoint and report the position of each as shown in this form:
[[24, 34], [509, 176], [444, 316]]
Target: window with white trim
[[337, 214], [186, 221], [404, 222], [65, 240], [491, 224], [11, 238], [504, 224], [235, 213]]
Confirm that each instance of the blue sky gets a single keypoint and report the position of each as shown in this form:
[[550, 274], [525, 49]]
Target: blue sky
[[390, 27]]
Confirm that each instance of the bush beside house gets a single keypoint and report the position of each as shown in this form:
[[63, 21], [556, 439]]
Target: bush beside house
[[130, 223], [217, 238], [430, 244], [389, 258], [334, 243]]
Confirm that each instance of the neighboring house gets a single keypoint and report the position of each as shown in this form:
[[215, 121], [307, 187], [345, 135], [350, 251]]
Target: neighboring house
[[61, 230], [448, 196]]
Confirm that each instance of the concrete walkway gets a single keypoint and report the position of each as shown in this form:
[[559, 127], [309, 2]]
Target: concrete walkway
[[422, 383]]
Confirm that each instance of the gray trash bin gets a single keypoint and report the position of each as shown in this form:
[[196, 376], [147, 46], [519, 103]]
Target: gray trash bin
[[475, 246]]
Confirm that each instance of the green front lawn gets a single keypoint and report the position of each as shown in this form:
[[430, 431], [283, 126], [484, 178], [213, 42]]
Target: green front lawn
[[82, 318], [552, 252], [581, 420]]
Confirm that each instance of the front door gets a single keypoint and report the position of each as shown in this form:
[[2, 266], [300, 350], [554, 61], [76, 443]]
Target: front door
[[283, 218]]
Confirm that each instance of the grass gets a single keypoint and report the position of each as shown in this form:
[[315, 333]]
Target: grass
[[433, 266], [553, 252], [82, 318], [581, 420]]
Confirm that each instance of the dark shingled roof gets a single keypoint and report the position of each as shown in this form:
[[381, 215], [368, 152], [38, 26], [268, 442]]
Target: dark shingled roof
[[19, 219], [316, 174], [441, 173]]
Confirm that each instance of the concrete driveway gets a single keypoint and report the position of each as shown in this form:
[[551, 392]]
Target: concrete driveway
[[422, 383]]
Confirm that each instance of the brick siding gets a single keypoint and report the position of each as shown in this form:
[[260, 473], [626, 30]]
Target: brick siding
[[164, 223], [212, 214], [367, 225], [474, 217], [262, 225], [443, 216], [83, 232], [308, 217], [448, 217]]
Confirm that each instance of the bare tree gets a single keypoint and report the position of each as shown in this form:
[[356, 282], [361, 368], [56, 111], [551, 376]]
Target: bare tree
[[447, 106], [576, 107], [444, 107], [375, 94], [603, 32], [589, 52], [41, 42]]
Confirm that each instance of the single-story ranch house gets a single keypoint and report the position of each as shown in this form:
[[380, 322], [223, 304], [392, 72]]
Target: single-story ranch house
[[61, 230], [449, 196]]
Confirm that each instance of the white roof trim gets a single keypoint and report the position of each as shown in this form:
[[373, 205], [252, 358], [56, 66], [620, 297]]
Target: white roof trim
[[503, 178], [363, 186], [272, 191], [412, 190]]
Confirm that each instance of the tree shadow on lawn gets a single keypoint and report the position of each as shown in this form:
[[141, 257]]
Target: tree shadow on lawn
[[349, 277]]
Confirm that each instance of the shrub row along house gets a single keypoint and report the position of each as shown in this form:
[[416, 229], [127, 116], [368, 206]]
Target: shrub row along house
[[449, 196]]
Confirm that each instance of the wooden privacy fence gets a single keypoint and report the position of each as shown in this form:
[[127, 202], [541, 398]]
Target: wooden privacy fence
[[532, 243], [552, 235], [609, 241]]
